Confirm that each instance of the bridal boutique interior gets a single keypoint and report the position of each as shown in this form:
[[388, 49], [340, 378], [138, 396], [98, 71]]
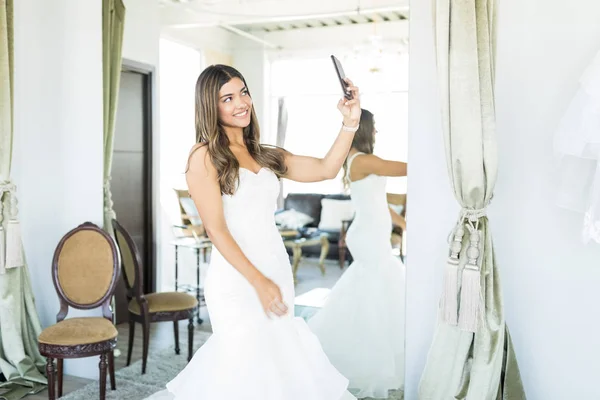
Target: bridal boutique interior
[[540, 64], [152, 57]]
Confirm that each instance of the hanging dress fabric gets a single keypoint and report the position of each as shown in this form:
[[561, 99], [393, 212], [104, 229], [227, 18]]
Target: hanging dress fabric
[[577, 148]]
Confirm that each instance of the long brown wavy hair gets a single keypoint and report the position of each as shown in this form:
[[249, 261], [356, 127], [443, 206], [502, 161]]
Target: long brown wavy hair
[[209, 130], [364, 139]]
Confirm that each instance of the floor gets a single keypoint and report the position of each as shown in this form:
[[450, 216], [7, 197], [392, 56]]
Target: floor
[[161, 334]]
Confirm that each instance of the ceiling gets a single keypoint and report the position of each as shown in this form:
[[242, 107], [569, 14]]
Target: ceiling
[[257, 19], [203, 13], [312, 22]]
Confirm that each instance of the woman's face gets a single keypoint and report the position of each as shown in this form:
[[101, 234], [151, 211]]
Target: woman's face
[[235, 104]]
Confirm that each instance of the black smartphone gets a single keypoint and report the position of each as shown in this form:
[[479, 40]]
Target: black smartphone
[[341, 76]]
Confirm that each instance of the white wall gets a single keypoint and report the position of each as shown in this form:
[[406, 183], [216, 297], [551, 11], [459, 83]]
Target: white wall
[[430, 204], [142, 31], [58, 148], [210, 57], [250, 59], [57, 158], [550, 280], [213, 39]]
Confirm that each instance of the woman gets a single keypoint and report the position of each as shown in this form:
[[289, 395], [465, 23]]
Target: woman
[[258, 350], [361, 324]]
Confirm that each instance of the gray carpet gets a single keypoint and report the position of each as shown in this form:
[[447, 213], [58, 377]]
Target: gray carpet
[[163, 366]]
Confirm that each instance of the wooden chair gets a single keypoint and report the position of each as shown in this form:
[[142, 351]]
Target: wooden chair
[[85, 269], [155, 307]]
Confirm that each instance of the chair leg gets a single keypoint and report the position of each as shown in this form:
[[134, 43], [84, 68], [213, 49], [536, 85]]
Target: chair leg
[[146, 326], [176, 331], [131, 336], [190, 337], [324, 252], [102, 366], [342, 257], [297, 252], [59, 362], [111, 370], [51, 378]]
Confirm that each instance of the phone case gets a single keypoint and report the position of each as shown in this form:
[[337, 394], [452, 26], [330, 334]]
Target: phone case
[[341, 76]]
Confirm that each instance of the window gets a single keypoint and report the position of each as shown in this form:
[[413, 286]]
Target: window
[[311, 93], [179, 70]]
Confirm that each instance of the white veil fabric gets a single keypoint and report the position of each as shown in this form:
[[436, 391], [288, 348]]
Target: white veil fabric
[[577, 148]]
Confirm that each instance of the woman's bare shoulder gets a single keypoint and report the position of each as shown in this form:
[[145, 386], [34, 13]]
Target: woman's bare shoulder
[[198, 159]]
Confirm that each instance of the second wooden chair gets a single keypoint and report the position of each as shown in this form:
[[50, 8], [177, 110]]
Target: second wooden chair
[[155, 307]]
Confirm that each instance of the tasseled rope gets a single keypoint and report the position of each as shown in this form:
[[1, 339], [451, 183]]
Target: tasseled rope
[[470, 292], [108, 202], [13, 251], [466, 314], [470, 288], [450, 295]]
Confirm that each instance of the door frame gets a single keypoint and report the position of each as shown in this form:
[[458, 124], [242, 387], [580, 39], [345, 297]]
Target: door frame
[[148, 73]]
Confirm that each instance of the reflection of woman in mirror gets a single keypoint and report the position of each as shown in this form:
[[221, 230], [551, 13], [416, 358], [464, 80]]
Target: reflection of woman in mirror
[[361, 325], [258, 350]]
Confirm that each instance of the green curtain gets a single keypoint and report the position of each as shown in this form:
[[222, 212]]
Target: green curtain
[[471, 356], [20, 360], [113, 23]]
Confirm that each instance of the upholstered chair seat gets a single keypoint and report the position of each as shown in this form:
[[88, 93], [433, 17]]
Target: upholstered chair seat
[[165, 302], [78, 331]]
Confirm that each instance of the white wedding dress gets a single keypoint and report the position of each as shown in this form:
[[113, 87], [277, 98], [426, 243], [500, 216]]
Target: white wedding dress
[[250, 356], [361, 325]]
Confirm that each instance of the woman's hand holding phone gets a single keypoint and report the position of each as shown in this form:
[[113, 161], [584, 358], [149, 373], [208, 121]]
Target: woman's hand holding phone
[[350, 109]]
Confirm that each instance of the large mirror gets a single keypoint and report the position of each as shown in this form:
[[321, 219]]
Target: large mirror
[[343, 235]]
